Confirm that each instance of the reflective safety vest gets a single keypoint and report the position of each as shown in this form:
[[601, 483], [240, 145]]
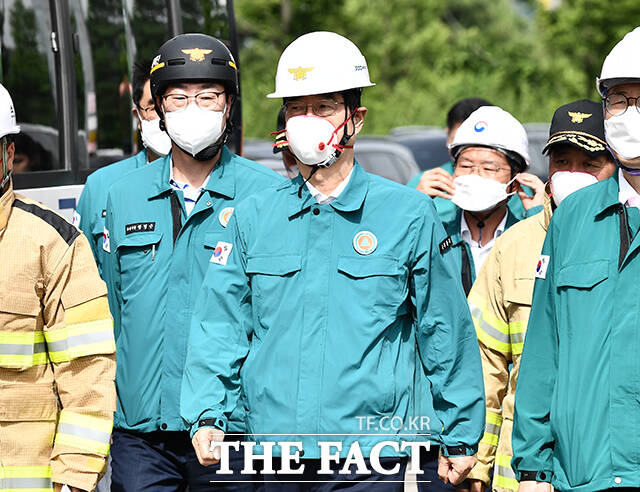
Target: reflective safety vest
[[500, 303], [57, 360]]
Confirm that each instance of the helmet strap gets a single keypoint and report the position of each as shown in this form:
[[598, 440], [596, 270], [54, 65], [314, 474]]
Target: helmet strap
[[6, 174]]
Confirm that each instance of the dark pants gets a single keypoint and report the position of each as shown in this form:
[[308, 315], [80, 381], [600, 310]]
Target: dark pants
[[429, 480], [311, 481], [166, 462]]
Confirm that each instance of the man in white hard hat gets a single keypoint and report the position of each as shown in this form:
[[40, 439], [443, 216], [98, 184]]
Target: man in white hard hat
[[491, 153], [57, 349], [331, 292], [576, 408]]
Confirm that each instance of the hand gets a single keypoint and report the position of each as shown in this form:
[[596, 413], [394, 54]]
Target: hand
[[476, 485], [531, 486], [454, 469], [436, 182], [202, 444], [533, 182]]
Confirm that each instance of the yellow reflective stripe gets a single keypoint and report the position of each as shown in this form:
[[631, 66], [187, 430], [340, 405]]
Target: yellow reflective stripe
[[90, 434], [73, 341], [22, 349], [504, 476], [25, 479], [494, 418], [492, 429], [490, 330], [517, 333]]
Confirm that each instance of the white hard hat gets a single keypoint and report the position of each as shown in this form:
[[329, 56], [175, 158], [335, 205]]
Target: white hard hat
[[8, 123], [319, 63], [622, 64], [491, 126]]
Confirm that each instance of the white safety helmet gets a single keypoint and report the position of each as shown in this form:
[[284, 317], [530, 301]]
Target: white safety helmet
[[491, 126], [319, 63], [622, 64], [8, 126]]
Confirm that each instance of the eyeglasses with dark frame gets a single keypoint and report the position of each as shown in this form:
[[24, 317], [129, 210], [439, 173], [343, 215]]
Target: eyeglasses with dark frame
[[617, 104], [321, 107], [209, 100]]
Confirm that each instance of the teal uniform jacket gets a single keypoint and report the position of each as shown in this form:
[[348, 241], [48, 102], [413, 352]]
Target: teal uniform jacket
[[318, 313], [462, 252], [576, 411], [92, 206], [157, 259]]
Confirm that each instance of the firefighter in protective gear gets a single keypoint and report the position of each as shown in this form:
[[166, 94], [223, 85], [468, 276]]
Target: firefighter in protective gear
[[576, 405], [57, 350], [500, 299], [491, 153]]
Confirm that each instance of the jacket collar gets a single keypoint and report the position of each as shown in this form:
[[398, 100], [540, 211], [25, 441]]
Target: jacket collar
[[608, 197], [6, 202], [453, 227], [221, 182], [350, 200]]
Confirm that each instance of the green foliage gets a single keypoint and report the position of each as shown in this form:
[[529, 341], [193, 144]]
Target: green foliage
[[426, 55]]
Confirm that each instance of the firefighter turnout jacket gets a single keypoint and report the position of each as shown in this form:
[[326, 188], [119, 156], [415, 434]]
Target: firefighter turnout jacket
[[57, 353]]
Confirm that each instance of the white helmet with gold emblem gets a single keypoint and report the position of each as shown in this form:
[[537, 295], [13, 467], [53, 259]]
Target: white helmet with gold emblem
[[320, 63]]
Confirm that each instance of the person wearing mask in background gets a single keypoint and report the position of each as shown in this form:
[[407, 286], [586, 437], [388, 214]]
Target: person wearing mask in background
[[163, 226], [57, 349], [500, 299], [91, 210], [491, 153], [576, 409], [316, 290]]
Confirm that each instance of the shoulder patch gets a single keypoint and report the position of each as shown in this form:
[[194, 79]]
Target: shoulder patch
[[541, 267], [445, 245], [67, 231]]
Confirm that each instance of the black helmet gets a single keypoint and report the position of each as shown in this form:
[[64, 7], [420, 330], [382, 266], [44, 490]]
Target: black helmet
[[193, 57]]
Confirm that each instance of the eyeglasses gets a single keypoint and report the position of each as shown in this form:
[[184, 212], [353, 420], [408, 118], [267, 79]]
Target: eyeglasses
[[617, 104], [322, 107], [209, 100], [486, 170]]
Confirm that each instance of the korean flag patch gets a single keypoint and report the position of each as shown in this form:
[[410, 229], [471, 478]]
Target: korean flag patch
[[541, 267], [106, 243], [221, 253]]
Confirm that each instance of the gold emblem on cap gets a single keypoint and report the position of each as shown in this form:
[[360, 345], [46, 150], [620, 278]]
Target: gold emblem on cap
[[578, 117], [196, 54], [300, 73]]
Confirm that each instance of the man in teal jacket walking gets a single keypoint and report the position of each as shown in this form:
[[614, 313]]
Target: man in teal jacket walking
[[576, 408], [92, 207], [164, 224], [323, 292]]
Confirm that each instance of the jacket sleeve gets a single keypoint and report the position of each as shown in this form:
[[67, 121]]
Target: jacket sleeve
[[111, 269], [447, 344], [532, 437], [87, 217], [81, 347], [491, 322], [219, 340]]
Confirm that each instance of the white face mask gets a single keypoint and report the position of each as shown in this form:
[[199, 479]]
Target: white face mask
[[313, 140], [477, 194], [563, 183], [623, 133], [154, 139], [195, 129]]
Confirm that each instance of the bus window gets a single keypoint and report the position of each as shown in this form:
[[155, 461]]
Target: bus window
[[102, 78], [28, 73]]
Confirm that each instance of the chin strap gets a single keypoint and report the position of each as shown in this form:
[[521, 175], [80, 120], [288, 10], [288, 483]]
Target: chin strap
[[480, 221], [5, 166], [313, 171], [632, 171]]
